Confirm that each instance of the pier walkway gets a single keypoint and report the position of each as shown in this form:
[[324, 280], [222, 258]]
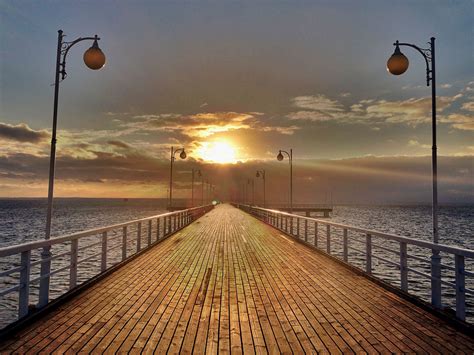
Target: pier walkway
[[230, 283]]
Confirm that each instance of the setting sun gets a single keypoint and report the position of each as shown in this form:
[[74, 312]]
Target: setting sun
[[217, 152]]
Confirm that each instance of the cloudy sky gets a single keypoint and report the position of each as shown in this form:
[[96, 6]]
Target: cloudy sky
[[235, 81]]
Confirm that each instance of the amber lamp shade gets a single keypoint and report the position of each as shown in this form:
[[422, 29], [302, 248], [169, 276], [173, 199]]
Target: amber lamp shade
[[280, 156], [182, 155], [397, 64], [94, 58]]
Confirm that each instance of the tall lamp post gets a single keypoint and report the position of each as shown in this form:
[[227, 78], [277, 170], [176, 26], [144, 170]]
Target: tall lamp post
[[397, 64], [280, 157], [261, 173], [198, 172], [182, 155], [94, 59]]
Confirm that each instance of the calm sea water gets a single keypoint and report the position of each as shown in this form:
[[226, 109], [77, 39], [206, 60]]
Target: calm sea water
[[22, 220]]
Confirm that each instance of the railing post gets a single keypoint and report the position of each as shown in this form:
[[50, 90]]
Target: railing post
[[286, 224], [328, 238], [436, 279], [139, 236], [368, 253], [298, 227], [24, 292], [103, 263], [460, 287], [124, 243], [306, 230], [149, 232], [345, 246], [291, 225], [45, 270], [403, 267], [158, 228], [73, 264], [315, 234]]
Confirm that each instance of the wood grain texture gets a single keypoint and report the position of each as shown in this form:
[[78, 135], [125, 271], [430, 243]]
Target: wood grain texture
[[228, 283]]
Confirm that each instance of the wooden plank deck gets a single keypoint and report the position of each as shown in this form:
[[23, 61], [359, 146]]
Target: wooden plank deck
[[229, 283]]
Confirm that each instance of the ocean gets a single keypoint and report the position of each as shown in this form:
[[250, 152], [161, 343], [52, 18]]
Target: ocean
[[23, 220]]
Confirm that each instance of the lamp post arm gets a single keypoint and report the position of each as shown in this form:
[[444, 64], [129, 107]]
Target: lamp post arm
[[66, 46], [427, 54]]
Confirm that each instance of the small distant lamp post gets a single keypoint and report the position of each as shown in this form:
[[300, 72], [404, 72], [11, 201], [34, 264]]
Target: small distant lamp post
[[94, 59], [182, 155], [280, 157], [198, 172], [397, 64], [251, 182], [261, 173]]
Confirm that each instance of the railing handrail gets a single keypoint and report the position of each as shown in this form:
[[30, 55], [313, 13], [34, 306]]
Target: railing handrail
[[469, 253], [18, 248]]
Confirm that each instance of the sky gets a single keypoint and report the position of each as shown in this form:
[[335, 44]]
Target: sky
[[233, 82]]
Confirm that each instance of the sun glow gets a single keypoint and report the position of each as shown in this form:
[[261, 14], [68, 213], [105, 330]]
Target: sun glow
[[217, 152]]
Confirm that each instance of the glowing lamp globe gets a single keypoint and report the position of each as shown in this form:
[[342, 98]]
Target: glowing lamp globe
[[397, 64], [280, 156], [94, 58], [182, 155]]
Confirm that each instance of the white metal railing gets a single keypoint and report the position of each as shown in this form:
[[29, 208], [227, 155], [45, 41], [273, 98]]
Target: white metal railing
[[83, 248], [374, 246]]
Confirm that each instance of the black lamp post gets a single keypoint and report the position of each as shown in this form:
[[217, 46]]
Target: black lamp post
[[280, 157], [198, 172], [397, 64], [261, 173], [94, 59], [182, 155]]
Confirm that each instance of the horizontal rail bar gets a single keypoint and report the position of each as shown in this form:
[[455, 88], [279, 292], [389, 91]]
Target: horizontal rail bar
[[89, 257], [11, 271], [9, 290]]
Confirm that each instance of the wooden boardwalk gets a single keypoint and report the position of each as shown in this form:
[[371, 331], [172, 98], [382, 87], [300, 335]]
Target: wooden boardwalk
[[229, 283]]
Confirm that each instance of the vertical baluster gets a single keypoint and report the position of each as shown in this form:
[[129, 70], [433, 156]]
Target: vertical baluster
[[328, 239], [149, 232], [291, 225], [24, 291], [460, 287], [368, 254], [73, 264], [345, 246], [298, 227], [103, 260], [316, 234], [165, 225], [403, 267], [139, 236], [124, 243], [436, 279]]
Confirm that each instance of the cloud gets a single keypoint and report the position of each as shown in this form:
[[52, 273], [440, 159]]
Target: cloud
[[460, 121], [22, 133], [415, 143], [317, 103], [411, 112], [468, 106], [119, 144]]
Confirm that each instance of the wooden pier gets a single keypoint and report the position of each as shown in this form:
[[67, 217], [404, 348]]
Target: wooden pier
[[230, 283]]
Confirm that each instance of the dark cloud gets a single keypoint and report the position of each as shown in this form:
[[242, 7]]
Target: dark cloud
[[22, 133], [119, 144]]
